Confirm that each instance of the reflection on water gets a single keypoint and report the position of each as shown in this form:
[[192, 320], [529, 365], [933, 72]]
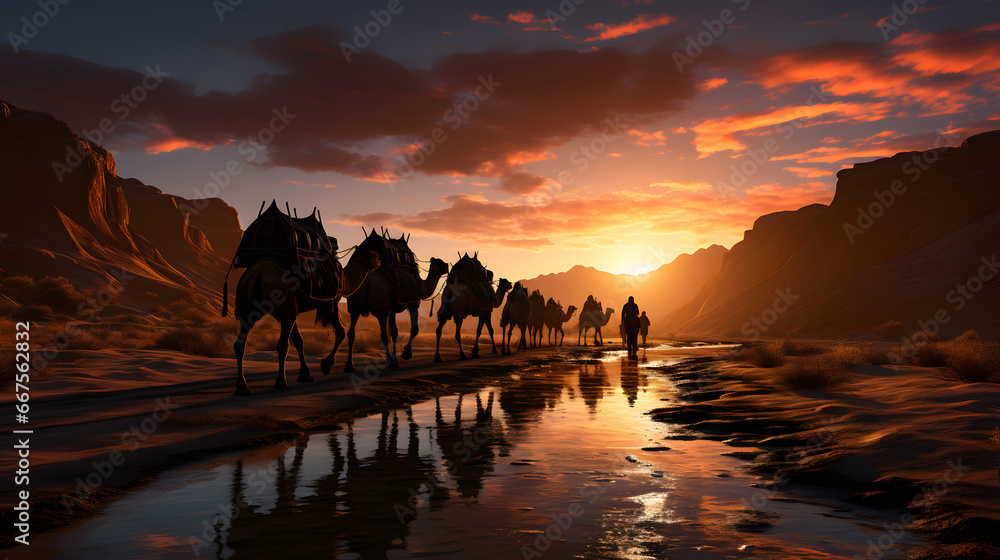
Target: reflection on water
[[549, 464]]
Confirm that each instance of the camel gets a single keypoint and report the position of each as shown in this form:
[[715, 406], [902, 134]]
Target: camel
[[554, 319], [269, 288], [536, 320], [594, 319], [515, 314], [469, 292], [391, 289]]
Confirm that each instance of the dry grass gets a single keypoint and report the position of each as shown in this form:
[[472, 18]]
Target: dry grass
[[55, 293], [768, 355], [210, 340], [973, 361], [124, 336], [890, 330], [801, 348], [820, 372], [968, 357]]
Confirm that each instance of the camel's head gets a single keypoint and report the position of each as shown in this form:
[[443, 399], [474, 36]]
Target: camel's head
[[571, 309], [609, 311], [504, 285], [438, 266]]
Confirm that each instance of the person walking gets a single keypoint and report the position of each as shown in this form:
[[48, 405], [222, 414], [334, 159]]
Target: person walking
[[643, 327], [630, 318]]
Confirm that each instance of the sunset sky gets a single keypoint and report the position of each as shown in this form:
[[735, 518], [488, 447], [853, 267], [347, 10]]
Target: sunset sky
[[607, 137]]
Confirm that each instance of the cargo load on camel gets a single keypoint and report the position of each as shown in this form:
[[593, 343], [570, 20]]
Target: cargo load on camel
[[300, 245]]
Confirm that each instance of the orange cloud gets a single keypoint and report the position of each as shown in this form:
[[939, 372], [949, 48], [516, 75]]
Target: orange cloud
[[641, 23], [173, 143], [522, 16], [809, 172], [713, 83], [482, 18], [716, 135], [685, 209]]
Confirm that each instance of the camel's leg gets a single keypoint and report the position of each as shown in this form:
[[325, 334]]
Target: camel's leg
[[414, 329], [286, 330], [597, 333], [349, 364], [391, 358], [327, 363], [296, 338], [382, 327], [458, 338], [522, 344], [437, 345], [489, 327], [479, 332], [239, 348], [585, 329]]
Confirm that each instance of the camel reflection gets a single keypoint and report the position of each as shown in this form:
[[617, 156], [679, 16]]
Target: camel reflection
[[354, 508], [524, 400], [470, 452], [593, 381]]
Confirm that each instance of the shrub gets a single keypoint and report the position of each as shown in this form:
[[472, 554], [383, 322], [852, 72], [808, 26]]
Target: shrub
[[974, 362], [56, 293], [819, 372], [968, 336], [931, 354], [799, 348], [868, 354], [765, 355], [890, 330], [199, 342]]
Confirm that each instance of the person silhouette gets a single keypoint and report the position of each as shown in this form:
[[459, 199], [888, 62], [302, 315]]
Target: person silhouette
[[630, 319], [643, 327]]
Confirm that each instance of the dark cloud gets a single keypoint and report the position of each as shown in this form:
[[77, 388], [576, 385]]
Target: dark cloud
[[344, 103]]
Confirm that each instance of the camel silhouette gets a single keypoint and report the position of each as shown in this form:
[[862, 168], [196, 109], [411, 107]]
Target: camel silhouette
[[594, 318], [469, 292], [265, 289], [514, 314], [390, 289], [554, 319], [536, 319]]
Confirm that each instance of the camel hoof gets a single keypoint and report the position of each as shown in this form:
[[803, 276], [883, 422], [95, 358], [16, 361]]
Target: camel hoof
[[394, 365], [325, 367], [242, 392], [281, 386], [407, 353], [349, 369], [463, 357], [494, 350], [475, 353], [305, 378], [437, 359]]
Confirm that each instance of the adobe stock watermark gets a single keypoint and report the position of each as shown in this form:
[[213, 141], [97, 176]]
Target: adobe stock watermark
[[927, 497], [758, 157], [899, 17], [122, 106], [562, 12], [455, 117], [131, 440], [914, 169], [958, 297], [258, 482], [31, 25], [760, 324], [763, 495], [87, 311], [696, 44], [249, 149], [363, 34], [563, 522]]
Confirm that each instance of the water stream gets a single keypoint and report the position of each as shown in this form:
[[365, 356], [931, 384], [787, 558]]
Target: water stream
[[559, 462]]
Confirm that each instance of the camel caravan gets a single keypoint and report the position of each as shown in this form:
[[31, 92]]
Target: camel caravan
[[291, 266]]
